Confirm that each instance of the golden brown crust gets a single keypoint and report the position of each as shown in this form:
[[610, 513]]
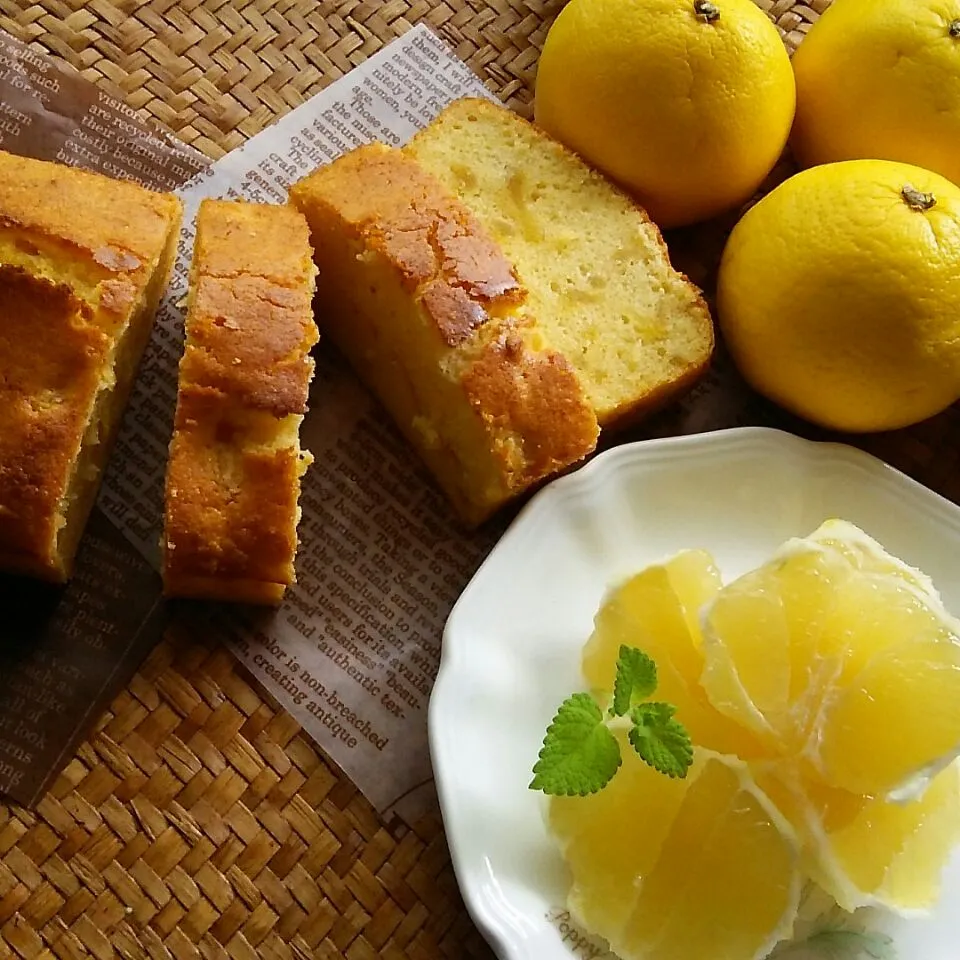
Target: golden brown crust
[[243, 326], [642, 405], [45, 401], [80, 263], [231, 591], [529, 405], [255, 240], [535, 400], [452, 309], [117, 225], [231, 496], [250, 326], [233, 474], [438, 248]]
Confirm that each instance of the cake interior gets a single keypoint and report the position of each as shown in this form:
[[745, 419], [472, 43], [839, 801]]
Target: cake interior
[[598, 273], [233, 479], [395, 348], [65, 385]]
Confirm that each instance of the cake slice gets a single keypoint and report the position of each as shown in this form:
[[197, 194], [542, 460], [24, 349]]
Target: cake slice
[[598, 274], [432, 317], [233, 477], [84, 261]]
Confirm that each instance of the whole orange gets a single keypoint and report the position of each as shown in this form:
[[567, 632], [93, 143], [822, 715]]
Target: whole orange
[[685, 103], [881, 80]]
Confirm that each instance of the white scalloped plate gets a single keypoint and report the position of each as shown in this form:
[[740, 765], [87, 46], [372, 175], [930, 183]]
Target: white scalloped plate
[[512, 645]]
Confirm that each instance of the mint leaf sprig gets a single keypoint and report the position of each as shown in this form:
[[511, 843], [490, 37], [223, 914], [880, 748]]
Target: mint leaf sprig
[[580, 753]]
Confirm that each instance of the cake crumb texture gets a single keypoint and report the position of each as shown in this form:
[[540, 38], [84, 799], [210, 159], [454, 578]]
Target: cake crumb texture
[[233, 478], [597, 271], [434, 319], [84, 260]]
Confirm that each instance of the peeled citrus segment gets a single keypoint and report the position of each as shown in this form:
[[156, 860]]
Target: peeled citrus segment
[[611, 838], [822, 698], [912, 882], [769, 651], [728, 855], [897, 723], [866, 554], [877, 611], [784, 643], [866, 851], [747, 670], [660, 866], [658, 611]]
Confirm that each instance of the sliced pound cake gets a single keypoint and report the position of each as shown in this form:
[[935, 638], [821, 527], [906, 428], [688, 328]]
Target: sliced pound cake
[[84, 259], [233, 478], [597, 271], [432, 317]]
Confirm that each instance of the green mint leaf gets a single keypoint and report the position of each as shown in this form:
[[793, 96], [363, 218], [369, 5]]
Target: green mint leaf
[[661, 741], [579, 754], [636, 680], [839, 945]]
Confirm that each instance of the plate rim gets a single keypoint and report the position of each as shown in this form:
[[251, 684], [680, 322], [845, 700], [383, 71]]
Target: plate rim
[[566, 488]]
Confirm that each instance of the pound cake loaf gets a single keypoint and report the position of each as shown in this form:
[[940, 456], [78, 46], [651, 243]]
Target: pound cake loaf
[[233, 477], [599, 277], [433, 318], [84, 260]]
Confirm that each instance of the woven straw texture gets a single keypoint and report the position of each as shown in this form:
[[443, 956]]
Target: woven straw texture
[[197, 821]]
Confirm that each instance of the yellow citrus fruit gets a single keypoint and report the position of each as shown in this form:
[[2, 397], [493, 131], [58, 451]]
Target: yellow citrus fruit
[[783, 636], [866, 851], [830, 676], [599, 838], [854, 668], [839, 295], [768, 659], [895, 724], [658, 611], [662, 867], [686, 103], [881, 81]]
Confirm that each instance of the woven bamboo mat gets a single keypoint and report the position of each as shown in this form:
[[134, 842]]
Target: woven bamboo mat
[[197, 820]]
